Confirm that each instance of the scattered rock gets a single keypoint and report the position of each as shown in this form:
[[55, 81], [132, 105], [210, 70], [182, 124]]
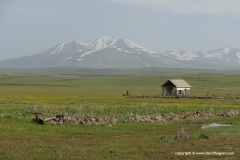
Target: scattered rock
[[87, 120], [229, 113], [170, 116], [111, 120]]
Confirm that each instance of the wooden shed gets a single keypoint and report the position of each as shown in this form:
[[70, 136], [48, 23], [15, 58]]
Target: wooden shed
[[176, 87]]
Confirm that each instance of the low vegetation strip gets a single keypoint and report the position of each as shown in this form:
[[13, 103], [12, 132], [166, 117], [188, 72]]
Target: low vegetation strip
[[226, 96], [27, 84], [110, 120]]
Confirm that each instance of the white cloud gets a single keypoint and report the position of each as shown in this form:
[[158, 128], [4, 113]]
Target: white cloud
[[190, 7]]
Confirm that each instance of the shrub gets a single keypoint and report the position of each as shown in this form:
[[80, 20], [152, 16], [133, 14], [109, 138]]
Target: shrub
[[203, 136], [182, 135]]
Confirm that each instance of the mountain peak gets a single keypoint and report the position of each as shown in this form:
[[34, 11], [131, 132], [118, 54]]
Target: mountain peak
[[229, 49], [99, 44], [221, 52], [104, 42]]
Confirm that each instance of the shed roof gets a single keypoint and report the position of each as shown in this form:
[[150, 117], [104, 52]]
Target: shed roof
[[177, 83]]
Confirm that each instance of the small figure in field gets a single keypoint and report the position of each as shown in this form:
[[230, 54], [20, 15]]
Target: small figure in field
[[126, 94], [39, 117]]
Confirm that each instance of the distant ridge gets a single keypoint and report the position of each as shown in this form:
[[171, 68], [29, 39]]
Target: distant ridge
[[116, 52], [70, 71]]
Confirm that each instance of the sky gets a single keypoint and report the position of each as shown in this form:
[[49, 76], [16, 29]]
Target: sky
[[28, 27]]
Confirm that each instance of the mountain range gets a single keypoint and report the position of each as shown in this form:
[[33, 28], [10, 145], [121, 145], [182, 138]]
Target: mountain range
[[115, 52]]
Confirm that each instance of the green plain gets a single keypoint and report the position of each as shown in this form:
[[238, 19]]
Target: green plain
[[74, 94]]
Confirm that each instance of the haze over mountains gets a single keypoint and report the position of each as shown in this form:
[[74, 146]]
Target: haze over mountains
[[115, 52]]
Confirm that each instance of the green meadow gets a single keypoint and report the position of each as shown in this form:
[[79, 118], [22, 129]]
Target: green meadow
[[73, 94]]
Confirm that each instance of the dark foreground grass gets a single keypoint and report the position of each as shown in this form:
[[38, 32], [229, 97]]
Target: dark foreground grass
[[122, 141], [22, 138]]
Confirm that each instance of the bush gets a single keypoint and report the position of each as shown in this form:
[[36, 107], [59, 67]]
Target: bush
[[182, 135], [203, 136]]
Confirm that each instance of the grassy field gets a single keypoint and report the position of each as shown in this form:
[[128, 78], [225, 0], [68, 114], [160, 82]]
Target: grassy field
[[22, 138]]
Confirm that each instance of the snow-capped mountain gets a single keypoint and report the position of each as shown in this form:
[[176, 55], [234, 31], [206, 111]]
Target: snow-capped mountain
[[104, 42], [182, 55], [116, 52], [227, 55], [224, 58]]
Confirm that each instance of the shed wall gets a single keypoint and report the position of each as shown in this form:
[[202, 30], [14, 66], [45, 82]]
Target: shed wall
[[173, 91]]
